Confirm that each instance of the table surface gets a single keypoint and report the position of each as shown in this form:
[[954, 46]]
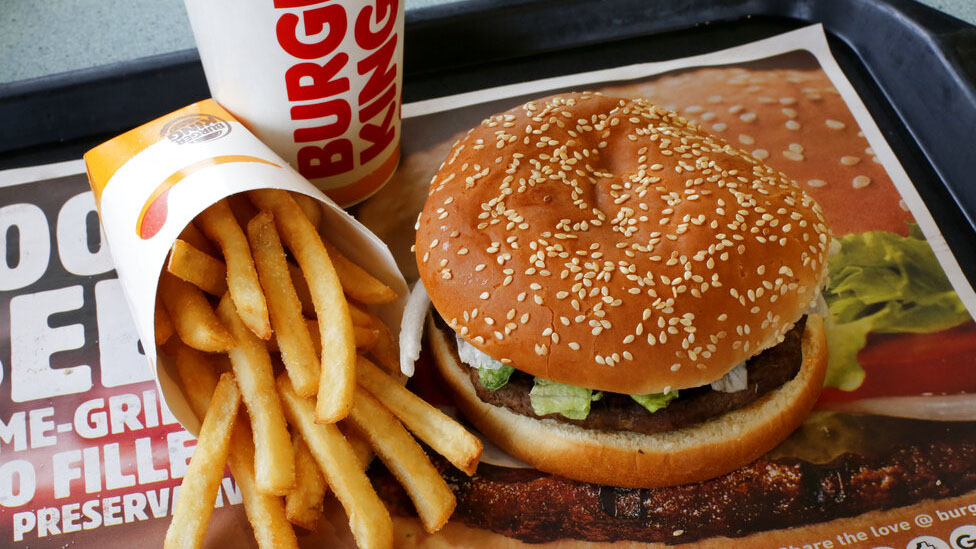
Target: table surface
[[43, 37]]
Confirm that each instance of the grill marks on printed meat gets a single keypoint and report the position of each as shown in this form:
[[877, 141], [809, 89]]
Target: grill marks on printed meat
[[614, 412], [766, 495]]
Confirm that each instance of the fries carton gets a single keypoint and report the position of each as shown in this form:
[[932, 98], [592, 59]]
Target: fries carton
[[151, 182], [319, 82]]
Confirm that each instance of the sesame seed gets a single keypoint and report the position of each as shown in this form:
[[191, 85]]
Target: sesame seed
[[849, 160], [817, 183], [792, 125], [861, 181], [747, 117], [721, 126], [746, 139], [835, 124], [485, 295], [795, 156], [574, 346]]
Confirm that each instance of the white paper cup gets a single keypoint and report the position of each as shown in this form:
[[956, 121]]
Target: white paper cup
[[319, 82]]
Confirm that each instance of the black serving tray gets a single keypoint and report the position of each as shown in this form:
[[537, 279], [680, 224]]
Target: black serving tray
[[914, 68]]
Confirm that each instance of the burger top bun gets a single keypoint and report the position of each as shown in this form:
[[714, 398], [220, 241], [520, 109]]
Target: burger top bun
[[607, 243]]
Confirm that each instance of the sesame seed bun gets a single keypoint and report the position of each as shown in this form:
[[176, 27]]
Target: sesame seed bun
[[606, 243], [636, 460]]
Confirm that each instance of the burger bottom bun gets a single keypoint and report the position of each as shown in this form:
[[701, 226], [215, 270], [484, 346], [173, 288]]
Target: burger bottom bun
[[409, 533], [637, 460]]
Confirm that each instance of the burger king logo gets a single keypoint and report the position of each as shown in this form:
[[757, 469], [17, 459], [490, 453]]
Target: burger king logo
[[154, 212], [195, 128]]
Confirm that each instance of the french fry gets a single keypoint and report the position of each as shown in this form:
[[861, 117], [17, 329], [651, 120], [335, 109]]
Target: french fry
[[265, 512], [198, 373], [292, 336], [360, 317], [365, 339], [431, 495], [369, 520], [191, 235], [202, 270], [162, 325], [360, 446], [219, 224], [303, 505], [199, 488], [301, 288], [192, 316], [310, 206], [274, 460], [337, 380], [446, 436], [356, 282], [385, 350], [243, 210]]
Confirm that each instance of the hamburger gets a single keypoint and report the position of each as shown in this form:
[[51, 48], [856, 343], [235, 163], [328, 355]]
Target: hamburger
[[622, 298]]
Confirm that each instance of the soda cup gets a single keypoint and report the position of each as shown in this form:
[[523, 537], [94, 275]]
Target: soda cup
[[317, 81]]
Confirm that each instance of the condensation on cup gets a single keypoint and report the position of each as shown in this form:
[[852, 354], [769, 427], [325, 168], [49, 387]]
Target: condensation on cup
[[318, 81]]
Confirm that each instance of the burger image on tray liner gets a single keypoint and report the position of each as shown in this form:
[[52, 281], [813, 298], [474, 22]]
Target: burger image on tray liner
[[621, 298]]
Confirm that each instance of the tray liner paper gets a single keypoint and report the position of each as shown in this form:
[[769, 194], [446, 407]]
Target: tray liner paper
[[90, 453]]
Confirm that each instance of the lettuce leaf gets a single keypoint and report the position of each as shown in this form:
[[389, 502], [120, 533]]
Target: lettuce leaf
[[885, 283], [655, 401], [549, 397], [494, 379]]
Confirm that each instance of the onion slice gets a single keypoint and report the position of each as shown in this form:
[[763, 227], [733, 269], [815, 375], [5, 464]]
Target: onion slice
[[734, 381], [412, 327], [474, 357], [960, 407]]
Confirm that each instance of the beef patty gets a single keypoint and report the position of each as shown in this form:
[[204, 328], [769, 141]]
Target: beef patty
[[616, 412]]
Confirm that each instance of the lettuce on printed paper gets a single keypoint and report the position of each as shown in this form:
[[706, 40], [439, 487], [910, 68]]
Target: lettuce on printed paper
[[885, 283]]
